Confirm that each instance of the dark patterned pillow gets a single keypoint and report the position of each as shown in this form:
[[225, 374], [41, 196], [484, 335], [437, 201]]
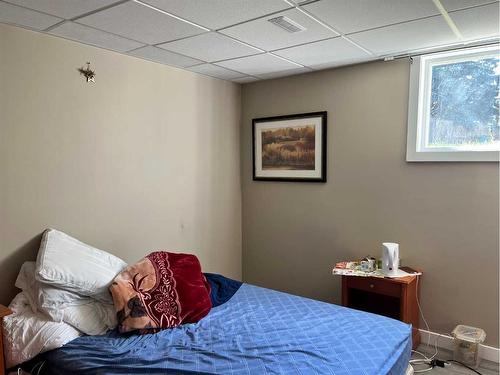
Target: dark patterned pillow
[[162, 290]]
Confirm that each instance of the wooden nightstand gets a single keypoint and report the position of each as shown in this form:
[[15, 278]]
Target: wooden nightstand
[[4, 311], [395, 298]]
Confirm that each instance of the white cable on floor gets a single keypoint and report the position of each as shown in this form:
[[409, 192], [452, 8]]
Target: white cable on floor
[[426, 360]]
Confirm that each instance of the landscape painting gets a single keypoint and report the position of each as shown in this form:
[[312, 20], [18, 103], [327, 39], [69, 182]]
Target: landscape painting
[[290, 148]]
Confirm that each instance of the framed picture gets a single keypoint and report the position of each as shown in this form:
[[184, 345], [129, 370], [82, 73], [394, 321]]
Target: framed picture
[[290, 148]]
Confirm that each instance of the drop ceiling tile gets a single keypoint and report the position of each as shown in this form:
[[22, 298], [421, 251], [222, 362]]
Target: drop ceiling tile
[[345, 63], [164, 57], [216, 14], [245, 80], [355, 15], [210, 47], [64, 8], [407, 36], [25, 17], [141, 23], [284, 73], [324, 53], [451, 5], [88, 35], [263, 34], [215, 71], [258, 64], [468, 24]]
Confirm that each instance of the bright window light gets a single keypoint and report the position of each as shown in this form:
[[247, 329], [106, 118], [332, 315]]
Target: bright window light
[[453, 112]]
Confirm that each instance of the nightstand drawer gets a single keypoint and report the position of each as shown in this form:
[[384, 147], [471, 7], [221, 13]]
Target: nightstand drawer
[[373, 285]]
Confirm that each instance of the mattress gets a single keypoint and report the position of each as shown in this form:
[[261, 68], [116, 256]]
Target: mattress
[[258, 331]]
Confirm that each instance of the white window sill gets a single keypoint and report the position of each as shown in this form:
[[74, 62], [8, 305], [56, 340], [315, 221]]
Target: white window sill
[[451, 156]]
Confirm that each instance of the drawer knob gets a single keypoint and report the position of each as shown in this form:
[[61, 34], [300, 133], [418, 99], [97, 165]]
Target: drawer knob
[[372, 286]]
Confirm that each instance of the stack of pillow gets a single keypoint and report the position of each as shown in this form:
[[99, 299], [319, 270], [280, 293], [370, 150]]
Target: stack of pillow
[[71, 275], [64, 295]]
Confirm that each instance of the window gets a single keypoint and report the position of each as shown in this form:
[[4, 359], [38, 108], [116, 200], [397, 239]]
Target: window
[[453, 106]]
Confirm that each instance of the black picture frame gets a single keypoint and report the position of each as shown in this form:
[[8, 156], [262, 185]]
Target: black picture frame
[[322, 115]]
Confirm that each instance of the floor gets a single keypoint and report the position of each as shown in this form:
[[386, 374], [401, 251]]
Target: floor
[[486, 367]]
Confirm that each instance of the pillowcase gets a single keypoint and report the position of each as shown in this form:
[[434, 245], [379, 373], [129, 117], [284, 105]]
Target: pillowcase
[[28, 333], [93, 318], [27, 283], [162, 290], [53, 301], [44, 298], [86, 314], [66, 263]]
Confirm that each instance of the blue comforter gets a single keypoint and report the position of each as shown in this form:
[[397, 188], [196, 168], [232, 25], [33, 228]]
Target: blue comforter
[[257, 331]]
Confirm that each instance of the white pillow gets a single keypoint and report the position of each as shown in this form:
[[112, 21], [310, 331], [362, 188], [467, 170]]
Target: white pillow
[[93, 318], [44, 298], [66, 263], [86, 314], [53, 301], [27, 334], [27, 283]]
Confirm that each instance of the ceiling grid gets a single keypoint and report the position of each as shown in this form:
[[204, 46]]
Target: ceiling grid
[[233, 40]]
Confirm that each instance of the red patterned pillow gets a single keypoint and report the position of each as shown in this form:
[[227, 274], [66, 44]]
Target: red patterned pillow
[[162, 290]]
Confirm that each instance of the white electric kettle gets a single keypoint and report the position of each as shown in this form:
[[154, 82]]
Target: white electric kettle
[[390, 259]]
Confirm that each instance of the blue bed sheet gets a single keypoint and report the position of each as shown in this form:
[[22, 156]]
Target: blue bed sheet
[[258, 331]]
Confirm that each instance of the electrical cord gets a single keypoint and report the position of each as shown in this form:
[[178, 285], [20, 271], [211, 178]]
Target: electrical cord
[[425, 360], [464, 365], [40, 368], [439, 363], [426, 324], [35, 370], [431, 361]]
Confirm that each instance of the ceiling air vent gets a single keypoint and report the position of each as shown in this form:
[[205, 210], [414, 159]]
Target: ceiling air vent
[[287, 24]]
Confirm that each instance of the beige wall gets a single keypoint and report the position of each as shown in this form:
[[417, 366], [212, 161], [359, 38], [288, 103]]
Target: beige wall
[[146, 158], [444, 215]]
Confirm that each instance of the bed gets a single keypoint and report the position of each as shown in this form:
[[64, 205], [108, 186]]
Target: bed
[[250, 330]]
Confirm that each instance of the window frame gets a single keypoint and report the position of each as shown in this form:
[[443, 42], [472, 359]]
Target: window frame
[[418, 109]]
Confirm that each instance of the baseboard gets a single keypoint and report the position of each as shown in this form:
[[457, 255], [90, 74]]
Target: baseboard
[[486, 352]]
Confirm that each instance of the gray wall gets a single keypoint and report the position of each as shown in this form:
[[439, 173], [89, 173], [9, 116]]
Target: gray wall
[[444, 215], [146, 158]]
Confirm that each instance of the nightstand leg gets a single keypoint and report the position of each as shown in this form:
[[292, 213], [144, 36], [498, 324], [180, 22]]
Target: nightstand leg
[[345, 292]]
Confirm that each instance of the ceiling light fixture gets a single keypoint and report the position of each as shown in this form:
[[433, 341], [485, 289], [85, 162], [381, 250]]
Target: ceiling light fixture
[[287, 24]]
